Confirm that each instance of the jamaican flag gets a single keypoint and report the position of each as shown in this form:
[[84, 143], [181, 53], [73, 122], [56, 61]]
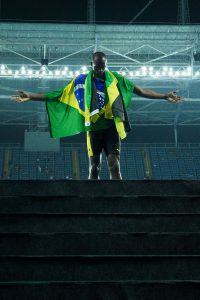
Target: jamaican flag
[[69, 109]]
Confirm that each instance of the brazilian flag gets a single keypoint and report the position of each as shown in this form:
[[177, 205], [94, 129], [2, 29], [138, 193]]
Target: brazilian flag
[[69, 108]]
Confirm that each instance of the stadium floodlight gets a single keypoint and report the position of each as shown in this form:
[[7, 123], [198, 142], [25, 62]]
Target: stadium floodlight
[[123, 73], [3, 72], [165, 68], [177, 73], [157, 73], [23, 72], [63, 72], [189, 71], [131, 73], [144, 68], [50, 73], [71, 73], [197, 73], [183, 73], [66, 68], [10, 72], [144, 72], [17, 72], [84, 68], [30, 72], [57, 72], [3, 67], [170, 72], [151, 68], [77, 72]]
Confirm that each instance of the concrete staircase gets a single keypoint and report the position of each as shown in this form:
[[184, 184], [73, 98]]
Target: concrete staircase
[[137, 240]]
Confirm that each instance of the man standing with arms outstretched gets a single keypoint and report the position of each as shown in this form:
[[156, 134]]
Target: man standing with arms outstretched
[[95, 103]]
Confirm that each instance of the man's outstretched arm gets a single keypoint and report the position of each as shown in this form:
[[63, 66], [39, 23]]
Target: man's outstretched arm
[[27, 96], [146, 93]]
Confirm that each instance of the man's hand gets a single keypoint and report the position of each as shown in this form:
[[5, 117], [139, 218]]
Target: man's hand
[[22, 97], [172, 97]]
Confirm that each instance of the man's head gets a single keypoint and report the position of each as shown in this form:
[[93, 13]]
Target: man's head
[[99, 62]]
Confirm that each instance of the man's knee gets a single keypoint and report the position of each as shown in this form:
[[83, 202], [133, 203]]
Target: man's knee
[[95, 167], [114, 166], [113, 162]]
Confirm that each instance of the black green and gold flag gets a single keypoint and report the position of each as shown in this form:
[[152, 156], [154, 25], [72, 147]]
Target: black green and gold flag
[[69, 108]]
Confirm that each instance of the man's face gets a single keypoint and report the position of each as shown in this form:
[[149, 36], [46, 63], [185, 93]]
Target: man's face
[[99, 64]]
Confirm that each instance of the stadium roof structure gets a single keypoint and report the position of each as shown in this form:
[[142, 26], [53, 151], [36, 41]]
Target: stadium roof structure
[[44, 56]]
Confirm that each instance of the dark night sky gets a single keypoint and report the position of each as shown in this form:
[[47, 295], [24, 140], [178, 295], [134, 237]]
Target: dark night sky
[[160, 11]]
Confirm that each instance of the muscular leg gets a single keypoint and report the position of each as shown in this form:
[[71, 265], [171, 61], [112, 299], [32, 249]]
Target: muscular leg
[[94, 166], [114, 166]]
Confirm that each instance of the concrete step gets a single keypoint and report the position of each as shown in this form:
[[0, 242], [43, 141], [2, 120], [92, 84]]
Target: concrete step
[[100, 244], [99, 188], [42, 223], [98, 268], [116, 290], [103, 204]]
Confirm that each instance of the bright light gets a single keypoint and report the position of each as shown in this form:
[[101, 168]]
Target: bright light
[[157, 73], [165, 68], [77, 72], [144, 72], [16, 72], [71, 73], [30, 72], [131, 73], [22, 70], [177, 74], [63, 72], [151, 68], [3, 72], [66, 68], [50, 73], [84, 68], [137, 73], [37, 73], [144, 68], [197, 73], [57, 72], [10, 72], [170, 72], [3, 67], [183, 73]]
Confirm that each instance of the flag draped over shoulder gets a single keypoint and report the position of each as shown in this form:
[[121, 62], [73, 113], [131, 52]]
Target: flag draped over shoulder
[[69, 109]]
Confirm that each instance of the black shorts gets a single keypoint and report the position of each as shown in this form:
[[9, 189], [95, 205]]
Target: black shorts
[[104, 139]]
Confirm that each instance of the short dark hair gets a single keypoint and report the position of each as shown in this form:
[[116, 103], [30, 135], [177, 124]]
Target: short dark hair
[[98, 53]]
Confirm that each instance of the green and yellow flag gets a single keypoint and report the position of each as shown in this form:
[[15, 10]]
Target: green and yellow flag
[[69, 108]]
